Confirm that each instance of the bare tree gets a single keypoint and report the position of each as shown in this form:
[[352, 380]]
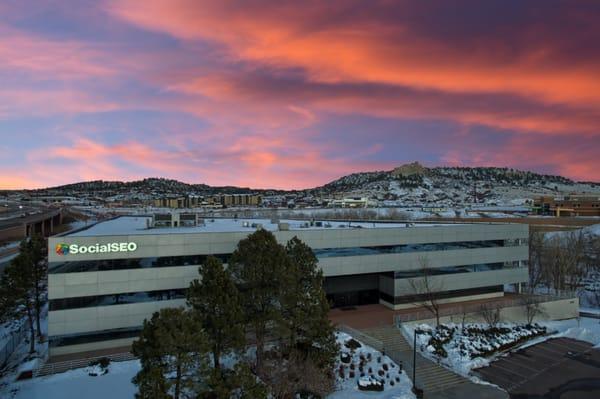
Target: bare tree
[[532, 307], [463, 316], [490, 313], [426, 289], [536, 248], [563, 261]]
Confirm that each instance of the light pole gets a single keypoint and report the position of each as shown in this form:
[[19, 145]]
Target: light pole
[[414, 357]]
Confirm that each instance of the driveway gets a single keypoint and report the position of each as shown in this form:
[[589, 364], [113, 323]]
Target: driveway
[[558, 368]]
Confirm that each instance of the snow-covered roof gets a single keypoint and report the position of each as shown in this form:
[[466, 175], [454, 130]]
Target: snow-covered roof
[[131, 225]]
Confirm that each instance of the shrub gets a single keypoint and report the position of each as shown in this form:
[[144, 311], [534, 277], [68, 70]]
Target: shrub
[[370, 384], [352, 344]]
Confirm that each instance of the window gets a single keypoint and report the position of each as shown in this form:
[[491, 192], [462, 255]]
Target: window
[[116, 299]]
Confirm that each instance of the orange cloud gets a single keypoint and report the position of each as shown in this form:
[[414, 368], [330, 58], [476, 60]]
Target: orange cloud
[[367, 50]]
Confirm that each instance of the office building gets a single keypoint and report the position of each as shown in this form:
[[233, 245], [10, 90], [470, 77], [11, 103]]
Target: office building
[[104, 280]]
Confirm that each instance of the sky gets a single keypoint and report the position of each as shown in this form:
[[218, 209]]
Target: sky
[[294, 94]]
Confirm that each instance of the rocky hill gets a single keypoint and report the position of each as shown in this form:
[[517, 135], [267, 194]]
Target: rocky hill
[[408, 185], [416, 184]]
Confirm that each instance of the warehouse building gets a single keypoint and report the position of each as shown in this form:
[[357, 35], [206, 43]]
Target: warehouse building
[[104, 280]]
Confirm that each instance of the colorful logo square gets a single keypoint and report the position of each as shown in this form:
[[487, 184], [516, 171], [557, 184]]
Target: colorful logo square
[[62, 249]]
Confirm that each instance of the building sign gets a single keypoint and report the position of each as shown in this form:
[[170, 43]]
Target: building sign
[[73, 249]]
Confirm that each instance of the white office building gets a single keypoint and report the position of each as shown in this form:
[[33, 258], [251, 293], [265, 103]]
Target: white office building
[[104, 280]]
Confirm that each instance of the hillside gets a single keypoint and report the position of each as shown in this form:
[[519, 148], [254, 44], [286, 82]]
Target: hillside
[[415, 184], [408, 185]]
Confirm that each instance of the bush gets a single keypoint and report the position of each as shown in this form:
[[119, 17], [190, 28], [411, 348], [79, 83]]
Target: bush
[[98, 367], [370, 384], [352, 344], [345, 358]]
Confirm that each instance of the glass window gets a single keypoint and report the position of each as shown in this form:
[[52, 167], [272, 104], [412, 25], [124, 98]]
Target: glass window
[[116, 299], [132, 263], [405, 248]]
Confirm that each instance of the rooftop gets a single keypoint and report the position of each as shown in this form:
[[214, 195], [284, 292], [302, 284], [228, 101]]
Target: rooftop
[[133, 225]]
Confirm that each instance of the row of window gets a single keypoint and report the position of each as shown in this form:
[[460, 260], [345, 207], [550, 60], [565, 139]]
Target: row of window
[[163, 295], [404, 248], [337, 300], [482, 267], [131, 263], [85, 338], [166, 261], [116, 299], [419, 298]]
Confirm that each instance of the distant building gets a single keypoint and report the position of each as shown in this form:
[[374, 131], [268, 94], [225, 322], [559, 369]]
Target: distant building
[[568, 205], [214, 201], [352, 202]]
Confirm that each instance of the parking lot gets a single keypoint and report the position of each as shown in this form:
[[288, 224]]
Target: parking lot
[[558, 368]]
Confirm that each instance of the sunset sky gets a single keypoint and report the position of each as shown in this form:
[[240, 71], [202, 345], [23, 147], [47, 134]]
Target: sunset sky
[[294, 94]]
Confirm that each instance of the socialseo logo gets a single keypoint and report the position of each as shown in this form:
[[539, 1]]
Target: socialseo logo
[[73, 249], [62, 249]]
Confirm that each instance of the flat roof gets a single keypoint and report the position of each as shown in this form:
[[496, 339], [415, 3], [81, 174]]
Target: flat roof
[[133, 225]]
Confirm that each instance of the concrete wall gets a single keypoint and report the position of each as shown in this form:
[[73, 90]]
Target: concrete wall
[[69, 285], [442, 301], [559, 309], [151, 245], [74, 321]]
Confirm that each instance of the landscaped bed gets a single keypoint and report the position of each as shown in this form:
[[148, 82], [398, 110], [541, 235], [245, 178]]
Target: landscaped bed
[[464, 347], [361, 370]]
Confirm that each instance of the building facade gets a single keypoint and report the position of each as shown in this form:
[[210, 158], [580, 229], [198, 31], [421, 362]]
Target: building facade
[[568, 205], [105, 280], [211, 201]]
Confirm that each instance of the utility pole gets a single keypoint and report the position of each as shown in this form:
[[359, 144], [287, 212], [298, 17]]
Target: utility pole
[[414, 357]]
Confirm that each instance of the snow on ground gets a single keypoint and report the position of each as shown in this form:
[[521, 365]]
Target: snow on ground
[[348, 386], [9, 245], [466, 351], [75, 384], [592, 230], [584, 329]]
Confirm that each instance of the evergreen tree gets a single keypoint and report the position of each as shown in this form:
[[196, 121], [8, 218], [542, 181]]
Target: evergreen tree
[[238, 383], [36, 248], [305, 308], [17, 290], [258, 266], [172, 350], [215, 301]]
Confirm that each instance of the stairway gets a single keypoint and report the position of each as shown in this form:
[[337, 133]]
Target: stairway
[[430, 376]]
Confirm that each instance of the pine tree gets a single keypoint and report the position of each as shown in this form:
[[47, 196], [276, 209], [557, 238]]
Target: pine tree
[[305, 308], [238, 383], [17, 289], [172, 350], [215, 301], [258, 266], [36, 248]]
